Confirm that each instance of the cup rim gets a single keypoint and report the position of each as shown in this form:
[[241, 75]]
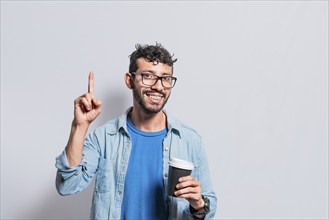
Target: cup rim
[[182, 164]]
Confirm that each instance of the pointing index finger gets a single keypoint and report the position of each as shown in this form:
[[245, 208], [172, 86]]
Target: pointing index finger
[[91, 82]]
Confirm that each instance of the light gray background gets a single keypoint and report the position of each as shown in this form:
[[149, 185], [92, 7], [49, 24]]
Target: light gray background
[[252, 80]]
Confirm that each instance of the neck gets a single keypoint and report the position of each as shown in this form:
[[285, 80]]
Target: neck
[[148, 122]]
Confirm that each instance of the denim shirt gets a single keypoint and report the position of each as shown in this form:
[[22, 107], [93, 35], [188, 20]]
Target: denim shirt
[[106, 154]]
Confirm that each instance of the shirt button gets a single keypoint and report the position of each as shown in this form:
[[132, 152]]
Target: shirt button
[[166, 149], [166, 174]]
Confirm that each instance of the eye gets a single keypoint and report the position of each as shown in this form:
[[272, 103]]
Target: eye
[[148, 76], [167, 78]]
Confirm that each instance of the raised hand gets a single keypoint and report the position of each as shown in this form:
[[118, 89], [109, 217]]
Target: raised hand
[[87, 107]]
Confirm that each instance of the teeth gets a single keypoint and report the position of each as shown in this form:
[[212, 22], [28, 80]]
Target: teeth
[[155, 97]]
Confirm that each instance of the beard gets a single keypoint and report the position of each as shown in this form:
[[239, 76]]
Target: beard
[[149, 108]]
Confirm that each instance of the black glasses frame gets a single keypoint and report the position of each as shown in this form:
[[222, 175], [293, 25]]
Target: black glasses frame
[[174, 79]]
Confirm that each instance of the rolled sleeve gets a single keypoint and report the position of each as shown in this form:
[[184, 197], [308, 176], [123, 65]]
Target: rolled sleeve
[[71, 180], [63, 166], [205, 179]]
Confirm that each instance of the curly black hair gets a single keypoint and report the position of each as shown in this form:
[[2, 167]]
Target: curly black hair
[[151, 53]]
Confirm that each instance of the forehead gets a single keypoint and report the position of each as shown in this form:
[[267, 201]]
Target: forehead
[[157, 68]]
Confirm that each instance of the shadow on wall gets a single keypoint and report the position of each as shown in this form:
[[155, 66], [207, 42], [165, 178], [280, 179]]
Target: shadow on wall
[[78, 206], [113, 106]]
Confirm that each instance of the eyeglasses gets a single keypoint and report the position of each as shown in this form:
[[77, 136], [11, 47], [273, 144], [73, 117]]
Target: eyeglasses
[[149, 79]]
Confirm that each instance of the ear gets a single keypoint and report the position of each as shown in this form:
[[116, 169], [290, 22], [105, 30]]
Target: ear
[[129, 81]]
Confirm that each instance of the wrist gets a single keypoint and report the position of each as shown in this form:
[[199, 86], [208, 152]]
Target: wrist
[[198, 205], [201, 212], [79, 126]]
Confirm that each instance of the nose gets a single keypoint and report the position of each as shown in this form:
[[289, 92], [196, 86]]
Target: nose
[[158, 86]]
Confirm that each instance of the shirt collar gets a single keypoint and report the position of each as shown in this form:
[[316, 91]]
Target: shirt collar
[[173, 124]]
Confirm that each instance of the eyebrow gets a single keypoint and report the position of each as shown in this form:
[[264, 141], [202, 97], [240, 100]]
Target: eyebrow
[[151, 71]]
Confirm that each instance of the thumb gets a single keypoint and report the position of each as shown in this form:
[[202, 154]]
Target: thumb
[[96, 102]]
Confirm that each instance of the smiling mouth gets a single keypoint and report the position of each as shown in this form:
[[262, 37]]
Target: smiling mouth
[[155, 97]]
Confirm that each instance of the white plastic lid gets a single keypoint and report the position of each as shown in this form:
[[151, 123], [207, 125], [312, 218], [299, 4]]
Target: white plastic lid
[[182, 164]]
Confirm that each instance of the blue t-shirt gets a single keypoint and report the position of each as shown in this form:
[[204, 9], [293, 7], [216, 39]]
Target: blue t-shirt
[[144, 197]]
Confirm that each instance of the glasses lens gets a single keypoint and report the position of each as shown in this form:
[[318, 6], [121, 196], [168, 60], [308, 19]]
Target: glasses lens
[[168, 82], [150, 80]]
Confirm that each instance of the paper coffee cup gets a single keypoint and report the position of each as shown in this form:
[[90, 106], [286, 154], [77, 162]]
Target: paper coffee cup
[[177, 169]]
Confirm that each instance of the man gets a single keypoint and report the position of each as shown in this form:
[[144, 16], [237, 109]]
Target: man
[[130, 154]]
